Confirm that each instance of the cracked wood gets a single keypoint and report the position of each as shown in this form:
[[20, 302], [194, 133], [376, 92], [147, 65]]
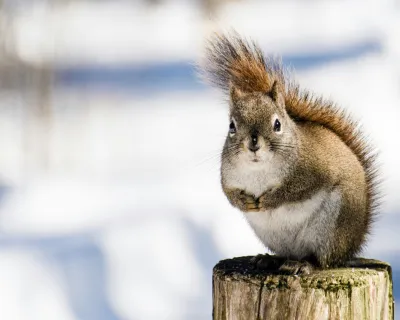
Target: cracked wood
[[362, 291]]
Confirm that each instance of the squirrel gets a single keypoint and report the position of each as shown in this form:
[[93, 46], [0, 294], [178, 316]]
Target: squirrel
[[296, 165]]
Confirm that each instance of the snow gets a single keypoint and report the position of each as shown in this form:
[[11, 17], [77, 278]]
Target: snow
[[29, 281], [129, 218]]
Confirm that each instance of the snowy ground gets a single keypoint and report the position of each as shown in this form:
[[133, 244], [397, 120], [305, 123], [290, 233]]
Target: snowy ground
[[130, 219]]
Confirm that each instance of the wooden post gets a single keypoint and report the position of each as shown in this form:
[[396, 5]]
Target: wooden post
[[360, 292]]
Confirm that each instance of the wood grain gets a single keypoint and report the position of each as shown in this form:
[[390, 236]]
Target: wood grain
[[361, 291]]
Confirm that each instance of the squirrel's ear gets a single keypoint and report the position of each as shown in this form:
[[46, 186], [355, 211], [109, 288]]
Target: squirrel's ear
[[276, 93], [235, 93]]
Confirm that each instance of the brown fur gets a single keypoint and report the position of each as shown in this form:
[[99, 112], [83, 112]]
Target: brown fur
[[234, 62]]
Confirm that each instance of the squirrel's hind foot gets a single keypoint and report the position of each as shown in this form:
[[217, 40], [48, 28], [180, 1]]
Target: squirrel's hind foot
[[281, 265], [267, 262], [292, 267]]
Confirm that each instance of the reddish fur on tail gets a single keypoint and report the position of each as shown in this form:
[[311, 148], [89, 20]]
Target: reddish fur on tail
[[233, 61]]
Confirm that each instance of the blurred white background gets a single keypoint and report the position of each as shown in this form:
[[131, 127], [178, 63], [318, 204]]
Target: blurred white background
[[110, 203]]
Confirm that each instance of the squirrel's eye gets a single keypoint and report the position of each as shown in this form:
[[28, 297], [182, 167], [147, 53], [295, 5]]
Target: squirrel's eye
[[232, 128], [277, 125]]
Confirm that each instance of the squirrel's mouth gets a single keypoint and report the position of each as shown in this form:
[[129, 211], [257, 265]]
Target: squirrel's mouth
[[255, 157]]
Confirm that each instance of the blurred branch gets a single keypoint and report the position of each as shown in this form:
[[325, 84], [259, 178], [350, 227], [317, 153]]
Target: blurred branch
[[210, 7], [33, 84]]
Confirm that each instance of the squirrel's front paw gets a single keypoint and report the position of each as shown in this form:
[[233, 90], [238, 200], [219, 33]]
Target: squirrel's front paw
[[242, 200], [266, 201], [248, 202]]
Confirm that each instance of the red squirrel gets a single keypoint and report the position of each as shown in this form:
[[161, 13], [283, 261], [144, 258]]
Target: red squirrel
[[296, 165]]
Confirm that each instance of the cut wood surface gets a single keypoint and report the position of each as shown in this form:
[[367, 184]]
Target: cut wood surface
[[362, 291]]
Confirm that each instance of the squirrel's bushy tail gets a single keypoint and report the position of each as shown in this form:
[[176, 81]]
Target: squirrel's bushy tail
[[233, 61]]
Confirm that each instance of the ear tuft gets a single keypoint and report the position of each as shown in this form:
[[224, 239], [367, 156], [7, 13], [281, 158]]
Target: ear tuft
[[276, 93], [235, 93]]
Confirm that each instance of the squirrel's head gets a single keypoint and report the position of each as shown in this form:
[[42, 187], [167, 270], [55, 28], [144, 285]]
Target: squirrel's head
[[260, 128]]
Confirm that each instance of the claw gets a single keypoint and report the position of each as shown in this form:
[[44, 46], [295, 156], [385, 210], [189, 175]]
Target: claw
[[250, 200], [251, 206], [296, 267]]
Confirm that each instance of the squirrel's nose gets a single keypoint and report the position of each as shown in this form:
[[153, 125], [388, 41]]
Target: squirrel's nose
[[253, 143]]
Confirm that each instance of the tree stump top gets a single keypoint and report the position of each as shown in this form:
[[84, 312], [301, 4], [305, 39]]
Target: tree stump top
[[240, 269], [361, 291]]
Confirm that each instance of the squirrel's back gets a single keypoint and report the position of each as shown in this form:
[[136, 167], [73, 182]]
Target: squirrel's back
[[233, 61]]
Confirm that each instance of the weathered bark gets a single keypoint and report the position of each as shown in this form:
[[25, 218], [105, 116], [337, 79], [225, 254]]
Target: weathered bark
[[362, 292]]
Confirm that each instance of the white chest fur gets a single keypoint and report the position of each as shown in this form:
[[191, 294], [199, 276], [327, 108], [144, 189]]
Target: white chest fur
[[298, 229], [253, 178], [294, 229]]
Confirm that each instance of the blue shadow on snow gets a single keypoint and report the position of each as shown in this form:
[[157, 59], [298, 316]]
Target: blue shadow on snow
[[172, 76], [80, 263]]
